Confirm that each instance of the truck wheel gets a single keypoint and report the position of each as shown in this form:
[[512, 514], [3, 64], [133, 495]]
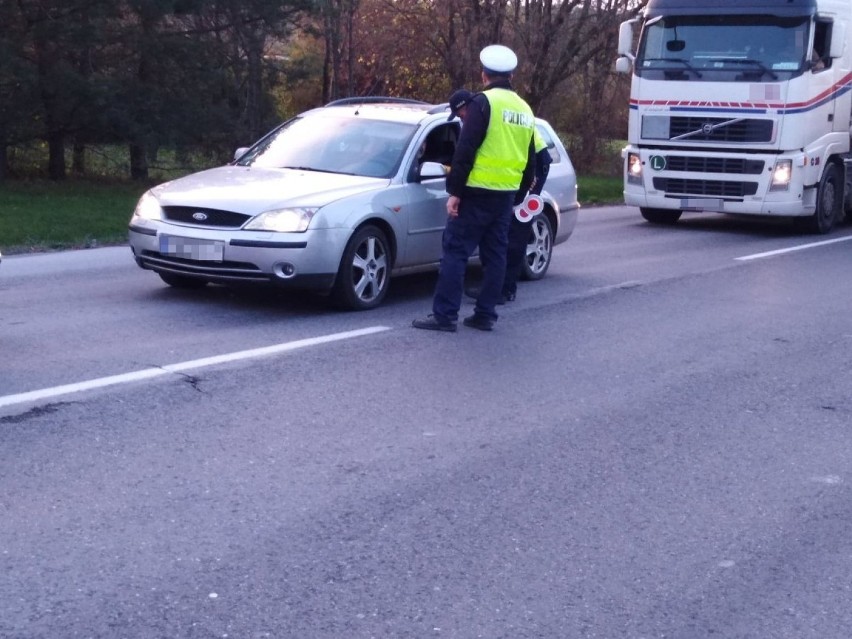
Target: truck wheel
[[660, 216], [829, 201]]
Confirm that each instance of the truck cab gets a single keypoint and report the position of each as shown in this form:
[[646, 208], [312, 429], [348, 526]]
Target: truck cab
[[741, 107]]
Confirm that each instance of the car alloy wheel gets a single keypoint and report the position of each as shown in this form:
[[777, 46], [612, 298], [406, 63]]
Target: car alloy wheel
[[363, 277], [539, 249]]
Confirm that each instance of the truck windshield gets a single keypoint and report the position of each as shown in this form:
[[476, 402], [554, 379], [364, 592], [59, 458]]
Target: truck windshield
[[723, 48]]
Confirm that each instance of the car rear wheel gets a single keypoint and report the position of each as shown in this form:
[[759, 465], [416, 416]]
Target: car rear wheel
[[660, 216], [181, 281], [364, 274], [539, 250]]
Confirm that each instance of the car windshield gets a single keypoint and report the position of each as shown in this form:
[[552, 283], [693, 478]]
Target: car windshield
[[347, 145], [723, 48]]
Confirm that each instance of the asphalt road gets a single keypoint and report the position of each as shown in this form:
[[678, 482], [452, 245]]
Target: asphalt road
[[655, 441]]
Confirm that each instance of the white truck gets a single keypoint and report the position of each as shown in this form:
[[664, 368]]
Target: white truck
[[741, 107]]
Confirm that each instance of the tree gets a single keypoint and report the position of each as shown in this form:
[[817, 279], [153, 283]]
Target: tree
[[428, 48], [51, 37], [18, 84], [212, 74]]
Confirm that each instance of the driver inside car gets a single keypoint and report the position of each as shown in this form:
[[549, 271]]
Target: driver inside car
[[370, 156]]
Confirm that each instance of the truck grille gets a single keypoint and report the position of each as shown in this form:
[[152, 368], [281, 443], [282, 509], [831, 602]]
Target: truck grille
[[735, 166], [213, 217], [721, 129], [707, 188]]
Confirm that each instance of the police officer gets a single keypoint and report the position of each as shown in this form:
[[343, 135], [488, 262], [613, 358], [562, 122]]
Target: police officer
[[519, 232], [492, 169]]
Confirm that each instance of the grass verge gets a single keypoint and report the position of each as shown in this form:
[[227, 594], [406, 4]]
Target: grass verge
[[593, 190], [44, 216], [41, 215]]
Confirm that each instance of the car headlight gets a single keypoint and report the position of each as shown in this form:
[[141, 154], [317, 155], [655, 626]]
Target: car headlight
[[148, 207], [293, 220]]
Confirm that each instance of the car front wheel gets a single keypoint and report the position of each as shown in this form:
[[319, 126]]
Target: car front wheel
[[364, 274]]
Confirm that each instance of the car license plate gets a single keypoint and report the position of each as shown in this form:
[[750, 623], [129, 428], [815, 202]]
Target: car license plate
[[190, 248]]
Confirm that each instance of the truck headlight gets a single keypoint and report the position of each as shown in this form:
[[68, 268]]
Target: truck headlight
[[781, 175], [148, 207], [293, 220], [634, 169]]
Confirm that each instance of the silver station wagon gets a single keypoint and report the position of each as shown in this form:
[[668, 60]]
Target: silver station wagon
[[337, 199]]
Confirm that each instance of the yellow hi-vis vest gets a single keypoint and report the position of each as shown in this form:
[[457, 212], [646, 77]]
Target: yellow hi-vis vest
[[501, 159]]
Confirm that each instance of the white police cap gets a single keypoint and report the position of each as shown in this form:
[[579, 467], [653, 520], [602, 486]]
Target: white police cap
[[496, 57]]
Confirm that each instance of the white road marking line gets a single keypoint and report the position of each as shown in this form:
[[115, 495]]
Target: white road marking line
[[800, 247], [148, 373]]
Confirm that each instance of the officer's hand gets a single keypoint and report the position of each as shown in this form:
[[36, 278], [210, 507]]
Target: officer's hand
[[453, 206]]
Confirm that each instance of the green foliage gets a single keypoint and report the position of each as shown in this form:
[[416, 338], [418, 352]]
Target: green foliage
[[42, 215], [597, 189]]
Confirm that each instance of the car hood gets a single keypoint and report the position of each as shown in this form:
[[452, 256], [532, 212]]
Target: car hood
[[251, 190]]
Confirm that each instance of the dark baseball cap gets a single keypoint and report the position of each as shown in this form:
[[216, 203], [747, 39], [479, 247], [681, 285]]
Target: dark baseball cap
[[458, 100]]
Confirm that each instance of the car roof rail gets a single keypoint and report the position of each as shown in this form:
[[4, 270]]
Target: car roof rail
[[439, 108], [366, 99]]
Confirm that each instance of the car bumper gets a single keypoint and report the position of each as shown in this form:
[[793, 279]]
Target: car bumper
[[294, 260], [565, 224]]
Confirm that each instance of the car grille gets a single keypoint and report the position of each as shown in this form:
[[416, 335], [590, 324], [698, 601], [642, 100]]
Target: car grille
[[223, 271], [212, 217], [710, 188], [746, 130], [736, 166]]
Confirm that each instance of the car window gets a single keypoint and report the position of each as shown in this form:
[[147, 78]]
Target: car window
[[438, 146], [551, 145], [348, 145]]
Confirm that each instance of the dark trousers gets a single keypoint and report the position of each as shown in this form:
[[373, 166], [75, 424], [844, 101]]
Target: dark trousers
[[483, 221], [519, 238]]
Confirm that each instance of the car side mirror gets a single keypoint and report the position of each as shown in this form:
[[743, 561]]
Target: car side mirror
[[432, 170], [240, 152]]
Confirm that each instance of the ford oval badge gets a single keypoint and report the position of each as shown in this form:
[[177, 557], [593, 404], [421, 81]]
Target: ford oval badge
[[199, 216]]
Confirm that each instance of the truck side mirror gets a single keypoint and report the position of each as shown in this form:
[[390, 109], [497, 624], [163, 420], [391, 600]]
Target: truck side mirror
[[837, 40], [623, 65], [625, 39]]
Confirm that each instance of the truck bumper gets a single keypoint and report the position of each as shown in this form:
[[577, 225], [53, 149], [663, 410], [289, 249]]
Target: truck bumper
[[716, 182]]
